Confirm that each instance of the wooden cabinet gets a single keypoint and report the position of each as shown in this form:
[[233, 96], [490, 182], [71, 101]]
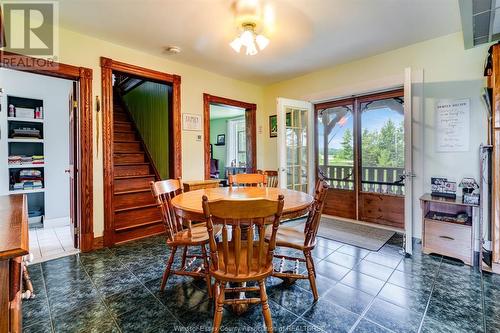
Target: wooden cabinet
[[200, 184], [13, 245], [445, 237]]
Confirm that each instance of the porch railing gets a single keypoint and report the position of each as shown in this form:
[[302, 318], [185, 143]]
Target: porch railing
[[374, 179]]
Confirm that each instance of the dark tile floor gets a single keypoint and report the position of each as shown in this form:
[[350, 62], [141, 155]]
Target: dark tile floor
[[117, 290]]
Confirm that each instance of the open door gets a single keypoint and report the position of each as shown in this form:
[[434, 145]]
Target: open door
[[72, 169], [413, 92], [295, 144]]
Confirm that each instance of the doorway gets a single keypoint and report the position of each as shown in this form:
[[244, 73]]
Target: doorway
[[230, 137], [361, 154], [295, 154], [133, 154], [41, 156]]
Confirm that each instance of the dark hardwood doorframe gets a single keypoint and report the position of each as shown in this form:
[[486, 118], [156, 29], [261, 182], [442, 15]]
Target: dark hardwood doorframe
[[107, 68], [250, 124], [85, 211]]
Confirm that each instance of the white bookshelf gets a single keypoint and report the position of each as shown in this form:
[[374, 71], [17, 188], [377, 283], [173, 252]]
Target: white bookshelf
[[35, 190], [26, 146], [26, 140], [28, 166], [30, 120]]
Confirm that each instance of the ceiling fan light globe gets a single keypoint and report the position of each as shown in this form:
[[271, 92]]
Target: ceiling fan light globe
[[252, 49], [262, 41], [247, 37], [236, 44]]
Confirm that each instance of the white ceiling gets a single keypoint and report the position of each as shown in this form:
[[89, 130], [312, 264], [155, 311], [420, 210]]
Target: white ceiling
[[225, 111], [308, 34]]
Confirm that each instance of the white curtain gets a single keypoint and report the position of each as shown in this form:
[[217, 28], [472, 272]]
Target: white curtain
[[230, 142], [232, 139]]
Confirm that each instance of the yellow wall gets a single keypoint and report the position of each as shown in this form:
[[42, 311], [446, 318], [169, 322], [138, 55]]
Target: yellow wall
[[81, 50], [442, 60]]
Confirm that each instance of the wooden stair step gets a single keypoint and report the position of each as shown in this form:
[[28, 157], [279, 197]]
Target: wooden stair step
[[133, 176], [132, 169], [126, 183], [138, 225], [129, 157], [140, 190], [124, 219], [135, 207], [121, 117], [124, 136], [131, 130], [123, 127], [131, 163], [133, 198]]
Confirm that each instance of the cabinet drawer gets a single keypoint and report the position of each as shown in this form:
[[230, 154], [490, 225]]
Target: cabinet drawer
[[453, 240]]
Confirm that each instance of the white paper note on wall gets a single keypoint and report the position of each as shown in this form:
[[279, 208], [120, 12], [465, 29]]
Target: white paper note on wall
[[453, 125]]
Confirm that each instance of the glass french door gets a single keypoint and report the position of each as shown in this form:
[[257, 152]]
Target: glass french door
[[296, 152], [361, 154]]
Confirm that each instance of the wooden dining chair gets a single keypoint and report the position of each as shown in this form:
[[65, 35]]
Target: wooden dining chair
[[247, 179], [272, 178], [302, 238], [246, 256], [181, 234]]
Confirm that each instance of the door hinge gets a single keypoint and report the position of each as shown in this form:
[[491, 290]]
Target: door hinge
[[75, 104], [76, 230]]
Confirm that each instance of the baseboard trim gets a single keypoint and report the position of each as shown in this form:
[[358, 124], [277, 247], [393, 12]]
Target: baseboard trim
[[56, 222], [98, 243], [87, 242]]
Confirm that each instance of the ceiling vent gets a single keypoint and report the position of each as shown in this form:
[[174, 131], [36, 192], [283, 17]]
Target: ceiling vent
[[480, 21]]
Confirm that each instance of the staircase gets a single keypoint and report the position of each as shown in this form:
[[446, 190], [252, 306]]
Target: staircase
[[135, 212]]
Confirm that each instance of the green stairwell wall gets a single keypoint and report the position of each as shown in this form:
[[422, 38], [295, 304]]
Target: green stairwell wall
[[148, 104]]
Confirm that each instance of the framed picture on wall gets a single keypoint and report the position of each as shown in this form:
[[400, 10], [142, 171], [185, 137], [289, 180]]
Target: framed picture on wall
[[273, 126], [191, 122], [221, 140]]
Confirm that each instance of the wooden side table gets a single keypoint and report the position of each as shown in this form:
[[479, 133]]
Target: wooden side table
[[200, 184], [448, 238]]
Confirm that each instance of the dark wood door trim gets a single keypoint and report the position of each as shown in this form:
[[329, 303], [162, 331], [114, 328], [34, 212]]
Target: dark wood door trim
[[85, 165], [251, 127], [107, 67]]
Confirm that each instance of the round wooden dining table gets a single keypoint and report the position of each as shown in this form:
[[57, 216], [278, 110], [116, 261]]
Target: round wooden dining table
[[189, 203]]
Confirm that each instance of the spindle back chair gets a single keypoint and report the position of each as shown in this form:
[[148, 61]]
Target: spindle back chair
[[303, 239], [247, 179], [181, 234], [245, 255]]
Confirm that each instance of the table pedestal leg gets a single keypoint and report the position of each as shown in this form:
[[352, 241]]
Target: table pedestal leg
[[241, 308]]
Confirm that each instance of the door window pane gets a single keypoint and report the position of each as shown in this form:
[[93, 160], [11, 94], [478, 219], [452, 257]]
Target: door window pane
[[336, 146], [296, 149], [382, 146]]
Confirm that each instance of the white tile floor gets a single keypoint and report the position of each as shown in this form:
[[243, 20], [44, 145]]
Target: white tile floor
[[51, 243]]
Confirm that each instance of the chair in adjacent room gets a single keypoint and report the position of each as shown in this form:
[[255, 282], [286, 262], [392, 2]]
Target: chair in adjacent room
[[247, 179], [303, 238], [245, 256], [180, 233]]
